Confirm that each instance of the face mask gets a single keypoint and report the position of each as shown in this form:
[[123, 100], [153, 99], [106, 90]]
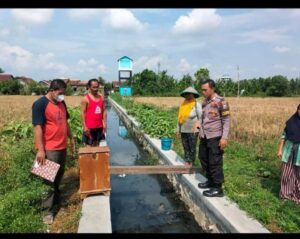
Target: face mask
[[60, 98]]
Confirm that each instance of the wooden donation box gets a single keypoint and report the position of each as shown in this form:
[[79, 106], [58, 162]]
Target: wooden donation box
[[94, 171]]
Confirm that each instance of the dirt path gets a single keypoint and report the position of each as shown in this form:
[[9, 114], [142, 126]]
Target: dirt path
[[68, 215]]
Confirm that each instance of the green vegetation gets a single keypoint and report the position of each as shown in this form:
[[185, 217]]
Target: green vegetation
[[149, 83], [10, 87], [252, 172], [153, 120], [20, 191]]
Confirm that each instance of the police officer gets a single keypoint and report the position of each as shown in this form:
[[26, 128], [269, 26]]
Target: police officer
[[214, 125]]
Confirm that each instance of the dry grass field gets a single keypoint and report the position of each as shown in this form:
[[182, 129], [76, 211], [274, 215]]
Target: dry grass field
[[252, 118], [18, 108]]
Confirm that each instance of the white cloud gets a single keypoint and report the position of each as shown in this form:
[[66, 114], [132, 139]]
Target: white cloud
[[284, 67], [184, 65], [4, 32], [92, 66], [150, 63], [23, 60], [122, 19], [15, 56], [102, 69], [36, 16], [263, 35], [206, 65], [198, 20], [91, 61], [85, 13], [61, 68], [281, 49]]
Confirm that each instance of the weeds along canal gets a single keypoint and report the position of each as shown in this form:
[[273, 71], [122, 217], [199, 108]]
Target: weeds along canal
[[142, 203]]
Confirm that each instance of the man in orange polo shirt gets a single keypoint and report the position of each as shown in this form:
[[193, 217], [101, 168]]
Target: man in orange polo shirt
[[51, 129]]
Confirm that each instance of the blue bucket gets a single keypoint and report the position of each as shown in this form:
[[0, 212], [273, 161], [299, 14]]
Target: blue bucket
[[166, 143]]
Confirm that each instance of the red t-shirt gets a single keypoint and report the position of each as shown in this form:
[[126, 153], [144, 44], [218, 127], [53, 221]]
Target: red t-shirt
[[53, 119], [94, 113]]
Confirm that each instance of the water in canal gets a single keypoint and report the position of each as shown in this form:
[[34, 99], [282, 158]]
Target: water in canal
[[142, 203]]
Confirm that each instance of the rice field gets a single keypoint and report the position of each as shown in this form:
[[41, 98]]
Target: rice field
[[18, 107], [252, 118]]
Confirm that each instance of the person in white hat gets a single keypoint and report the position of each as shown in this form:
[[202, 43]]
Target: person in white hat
[[189, 113]]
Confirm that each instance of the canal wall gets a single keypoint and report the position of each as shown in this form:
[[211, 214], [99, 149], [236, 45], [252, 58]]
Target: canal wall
[[216, 215]]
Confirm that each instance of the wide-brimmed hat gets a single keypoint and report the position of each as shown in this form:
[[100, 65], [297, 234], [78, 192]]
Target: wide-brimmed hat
[[190, 90]]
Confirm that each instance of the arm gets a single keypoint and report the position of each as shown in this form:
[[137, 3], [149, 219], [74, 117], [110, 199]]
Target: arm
[[104, 120], [84, 105], [39, 143], [225, 120], [199, 116], [280, 145], [72, 141]]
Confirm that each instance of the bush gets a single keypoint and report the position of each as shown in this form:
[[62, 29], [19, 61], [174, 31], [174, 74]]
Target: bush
[[20, 191], [153, 120]]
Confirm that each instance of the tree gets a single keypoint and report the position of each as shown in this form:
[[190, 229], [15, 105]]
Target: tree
[[101, 80], [201, 75], [1, 70], [10, 87], [69, 90], [185, 82], [278, 86]]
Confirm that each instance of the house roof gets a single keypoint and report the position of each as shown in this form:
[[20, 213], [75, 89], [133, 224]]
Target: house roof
[[115, 83], [24, 79], [125, 57], [68, 82], [46, 82], [5, 77]]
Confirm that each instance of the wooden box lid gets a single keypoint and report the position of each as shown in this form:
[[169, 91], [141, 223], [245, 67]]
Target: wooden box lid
[[93, 150]]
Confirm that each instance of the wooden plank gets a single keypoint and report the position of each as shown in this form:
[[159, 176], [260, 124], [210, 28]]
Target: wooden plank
[[93, 150], [156, 169]]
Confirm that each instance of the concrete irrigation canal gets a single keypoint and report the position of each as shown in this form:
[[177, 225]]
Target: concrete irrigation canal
[[169, 203]]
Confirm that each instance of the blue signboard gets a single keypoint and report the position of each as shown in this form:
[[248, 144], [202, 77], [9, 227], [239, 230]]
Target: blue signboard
[[125, 63], [125, 91]]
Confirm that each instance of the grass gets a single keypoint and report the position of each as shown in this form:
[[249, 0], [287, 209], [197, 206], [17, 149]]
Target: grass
[[252, 171], [21, 192], [251, 118]]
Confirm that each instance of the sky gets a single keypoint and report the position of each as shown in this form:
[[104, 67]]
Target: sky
[[86, 43]]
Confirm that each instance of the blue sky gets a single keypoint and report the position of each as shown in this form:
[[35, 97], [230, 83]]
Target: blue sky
[[86, 43]]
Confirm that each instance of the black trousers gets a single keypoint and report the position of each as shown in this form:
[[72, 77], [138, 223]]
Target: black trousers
[[211, 158], [53, 194], [189, 142]]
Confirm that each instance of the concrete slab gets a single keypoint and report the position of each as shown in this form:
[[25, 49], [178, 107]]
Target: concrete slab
[[96, 216]]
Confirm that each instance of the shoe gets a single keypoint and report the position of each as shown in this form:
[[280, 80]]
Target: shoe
[[214, 192], [48, 219], [206, 184]]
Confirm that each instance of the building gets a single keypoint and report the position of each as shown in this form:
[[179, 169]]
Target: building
[[115, 85], [24, 80], [6, 77], [79, 87], [225, 77]]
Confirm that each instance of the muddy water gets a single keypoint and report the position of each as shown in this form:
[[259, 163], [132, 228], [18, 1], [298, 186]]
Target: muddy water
[[142, 203]]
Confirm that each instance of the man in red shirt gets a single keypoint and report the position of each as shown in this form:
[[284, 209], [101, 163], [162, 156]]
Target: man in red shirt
[[51, 129], [93, 115]]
